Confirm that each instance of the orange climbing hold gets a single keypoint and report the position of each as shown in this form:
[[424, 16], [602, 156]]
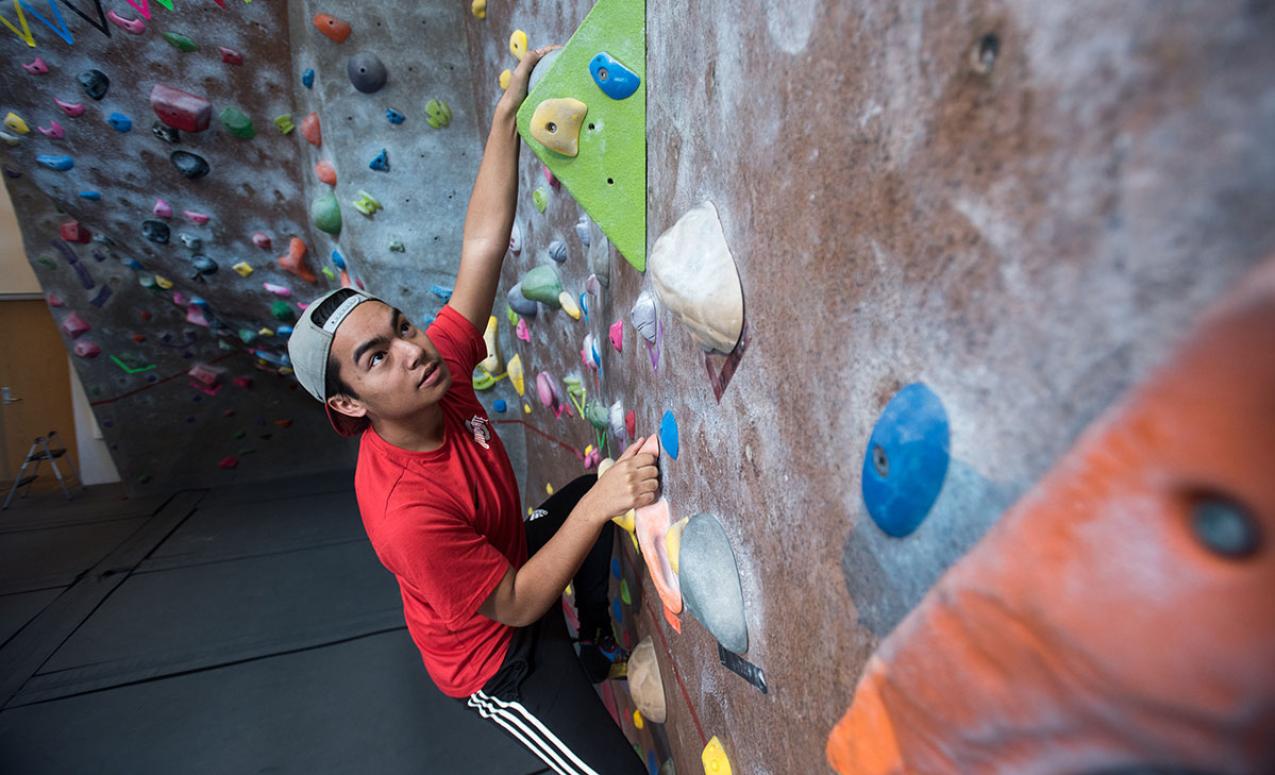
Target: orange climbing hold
[[325, 172], [294, 262], [1121, 613], [311, 130], [336, 29]]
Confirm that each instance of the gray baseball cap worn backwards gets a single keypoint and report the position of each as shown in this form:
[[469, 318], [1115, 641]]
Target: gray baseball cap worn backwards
[[309, 347]]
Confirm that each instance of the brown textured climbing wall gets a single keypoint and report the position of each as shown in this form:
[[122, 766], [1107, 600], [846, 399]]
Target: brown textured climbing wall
[[1023, 207]]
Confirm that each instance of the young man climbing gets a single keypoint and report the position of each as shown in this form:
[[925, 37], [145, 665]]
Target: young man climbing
[[438, 497]]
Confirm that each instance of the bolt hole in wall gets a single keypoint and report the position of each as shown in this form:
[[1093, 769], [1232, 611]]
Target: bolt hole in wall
[[983, 54]]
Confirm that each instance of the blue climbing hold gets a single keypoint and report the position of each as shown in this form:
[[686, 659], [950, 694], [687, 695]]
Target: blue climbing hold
[[442, 292], [499, 405], [906, 460], [59, 163], [92, 196], [394, 117], [120, 122], [133, 263], [617, 611], [584, 305], [307, 78], [668, 435], [284, 330], [614, 79], [338, 259], [615, 567], [382, 161]]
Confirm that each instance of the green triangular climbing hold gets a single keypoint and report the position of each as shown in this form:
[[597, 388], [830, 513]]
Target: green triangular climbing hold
[[607, 173]]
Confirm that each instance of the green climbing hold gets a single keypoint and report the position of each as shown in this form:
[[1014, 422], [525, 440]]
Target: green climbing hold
[[598, 415], [241, 434], [540, 198], [237, 123], [511, 316], [624, 592], [542, 284], [181, 42], [328, 273], [280, 310], [47, 262], [285, 124], [366, 203], [397, 246], [326, 213], [247, 335], [438, 114]]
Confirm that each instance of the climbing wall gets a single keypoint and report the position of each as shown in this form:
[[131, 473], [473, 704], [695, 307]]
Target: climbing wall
[[167, 278], [963, 231]]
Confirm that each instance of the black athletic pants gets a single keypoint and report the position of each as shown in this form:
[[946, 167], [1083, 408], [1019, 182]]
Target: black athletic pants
[[541, 695]]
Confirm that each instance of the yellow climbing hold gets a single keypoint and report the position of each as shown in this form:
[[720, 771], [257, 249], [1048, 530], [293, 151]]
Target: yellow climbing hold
[[505, 77], [263, 331], [163, 282], [14, 123], [569, 305], [637, 719], [515, 374], [479, 8], [243, 268], [714, 758], [491, 364], [556, 124], [566, 591], [284, 123], [549, 488], [518, 44], [526, 408], [673, 542], [628, 521]]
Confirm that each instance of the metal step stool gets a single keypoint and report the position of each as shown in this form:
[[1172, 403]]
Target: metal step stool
[[39, 452]]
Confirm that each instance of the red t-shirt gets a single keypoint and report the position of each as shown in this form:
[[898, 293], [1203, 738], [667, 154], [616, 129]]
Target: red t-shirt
[[447, 522]]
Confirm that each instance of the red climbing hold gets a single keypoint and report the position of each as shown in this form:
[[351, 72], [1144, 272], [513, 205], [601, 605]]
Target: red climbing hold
[[74, 231], [294, 262], [311, 130], [228, 462], [74, 325], [181, 110], [230, 56], [630, 423], [336, 29], [139, 338], [283, 423], [326, 172], [243, 382], [262, 240]]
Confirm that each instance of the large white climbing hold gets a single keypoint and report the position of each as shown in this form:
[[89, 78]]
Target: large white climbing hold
[[645, 685], [695, 276]]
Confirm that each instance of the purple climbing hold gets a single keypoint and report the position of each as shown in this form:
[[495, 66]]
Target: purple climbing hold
[[103, 294], [367, 72], [86, 279]]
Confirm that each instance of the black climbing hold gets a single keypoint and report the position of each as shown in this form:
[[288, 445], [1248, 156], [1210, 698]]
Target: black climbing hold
[[191, 165], [155, 231], [1225, 527], [204, 265], [165, 132], [367, 72], [94, 82]]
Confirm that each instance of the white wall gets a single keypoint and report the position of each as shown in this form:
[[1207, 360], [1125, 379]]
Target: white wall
[[96, 466]]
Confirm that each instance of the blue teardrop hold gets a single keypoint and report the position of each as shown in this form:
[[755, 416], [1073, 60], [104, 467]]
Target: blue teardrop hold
[[499, 405], [120, 122], [906, 460], [394, 117], [60, 163], [668, 435], [614, 79], [338, 259], [92, 196], [307, 78], [382, 161]]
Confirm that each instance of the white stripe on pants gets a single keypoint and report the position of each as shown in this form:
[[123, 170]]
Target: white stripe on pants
[[528, 730]]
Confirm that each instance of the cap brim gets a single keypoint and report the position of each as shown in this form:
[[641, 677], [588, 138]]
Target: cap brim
[[344, 424]]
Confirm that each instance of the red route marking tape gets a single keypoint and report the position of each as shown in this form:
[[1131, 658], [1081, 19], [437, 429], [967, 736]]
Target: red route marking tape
[[557, 441]]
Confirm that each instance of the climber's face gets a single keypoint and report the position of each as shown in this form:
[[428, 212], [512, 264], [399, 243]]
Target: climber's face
[[389, 362]]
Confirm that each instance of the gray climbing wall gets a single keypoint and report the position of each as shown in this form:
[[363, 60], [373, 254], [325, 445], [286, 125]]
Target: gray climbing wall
[[152, 315], [1023, 207]]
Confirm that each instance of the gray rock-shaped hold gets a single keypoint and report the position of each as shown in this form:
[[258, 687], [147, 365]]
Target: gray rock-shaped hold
[[710, 582], [643, 315], [558, 251], [367, 72], [191, 165], [94, 82], [156, 231], [519, 303], [191, 241]]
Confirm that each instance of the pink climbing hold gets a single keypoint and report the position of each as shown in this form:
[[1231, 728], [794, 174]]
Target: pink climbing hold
[[359, 282], [592, 459], [617, 335], [550, 179], [228, 462], [74, 325], [86, 349], [262, 240], [74, 231], [54, 130], [230, 56], [55, 300], [179, 298], [311, 130], [38, 67], [522, 331], [195, 315], [194, 217], [244, 383], [278, 290], [131, 26], [325, 172], [72, 109], [545, 391], [179, 109], [162, 209]]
